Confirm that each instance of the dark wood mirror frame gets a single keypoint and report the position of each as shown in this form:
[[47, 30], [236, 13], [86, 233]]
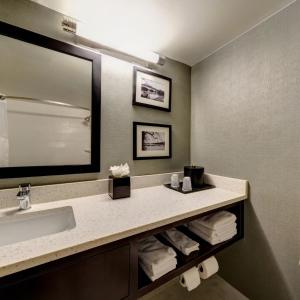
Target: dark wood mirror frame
[[52, 44]]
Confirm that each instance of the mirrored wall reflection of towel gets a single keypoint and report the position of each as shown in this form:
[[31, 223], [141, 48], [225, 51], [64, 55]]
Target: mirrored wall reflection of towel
[[4, 145]]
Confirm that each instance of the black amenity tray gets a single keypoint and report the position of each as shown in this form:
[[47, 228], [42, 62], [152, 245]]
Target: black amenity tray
[[179, 189]]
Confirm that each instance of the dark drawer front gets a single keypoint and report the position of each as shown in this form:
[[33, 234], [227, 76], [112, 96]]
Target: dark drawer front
[[103, 276]]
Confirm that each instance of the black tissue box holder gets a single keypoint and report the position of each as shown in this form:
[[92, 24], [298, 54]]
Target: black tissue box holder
[[119, 187]]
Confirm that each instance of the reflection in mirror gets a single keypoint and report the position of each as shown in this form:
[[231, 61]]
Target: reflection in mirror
[[47, 91]]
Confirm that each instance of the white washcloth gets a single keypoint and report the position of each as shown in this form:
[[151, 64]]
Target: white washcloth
[[214, 233], [154, 276], [154, 253], [4, 145], [217, 220], [182, 242], [212, 240]]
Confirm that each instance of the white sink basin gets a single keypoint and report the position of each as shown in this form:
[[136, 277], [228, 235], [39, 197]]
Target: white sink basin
[[21, 227]]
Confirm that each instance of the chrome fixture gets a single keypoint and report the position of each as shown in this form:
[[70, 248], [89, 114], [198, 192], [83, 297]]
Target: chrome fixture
[[44, 101], [23, 196]]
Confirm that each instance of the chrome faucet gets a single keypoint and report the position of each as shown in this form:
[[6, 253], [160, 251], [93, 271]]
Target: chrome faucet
[[24, 196]]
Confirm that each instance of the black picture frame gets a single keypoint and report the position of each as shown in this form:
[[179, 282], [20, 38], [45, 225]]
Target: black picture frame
[[135, 154], [55, 45], [134, 95]]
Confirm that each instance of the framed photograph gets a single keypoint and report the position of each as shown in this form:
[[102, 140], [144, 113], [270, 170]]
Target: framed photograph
[[151, 90], [151, 141]]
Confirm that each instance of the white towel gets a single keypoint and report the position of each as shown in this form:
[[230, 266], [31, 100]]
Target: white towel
[[154, 253], [214, 233], [4, 145], [161, 269], [154, 276], [182, 242], [212, 240], [217, 220], [157, 269]]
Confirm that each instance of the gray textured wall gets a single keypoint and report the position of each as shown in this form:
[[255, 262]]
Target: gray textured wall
[[117, 111], [246, 124]]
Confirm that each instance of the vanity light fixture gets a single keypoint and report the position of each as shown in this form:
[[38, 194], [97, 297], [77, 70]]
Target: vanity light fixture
[[86, 36]]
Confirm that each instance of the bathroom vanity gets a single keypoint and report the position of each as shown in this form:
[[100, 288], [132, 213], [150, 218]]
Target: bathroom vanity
[[97, 259]]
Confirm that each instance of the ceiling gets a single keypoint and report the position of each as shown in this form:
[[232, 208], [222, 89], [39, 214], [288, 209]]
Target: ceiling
[[185, 30]]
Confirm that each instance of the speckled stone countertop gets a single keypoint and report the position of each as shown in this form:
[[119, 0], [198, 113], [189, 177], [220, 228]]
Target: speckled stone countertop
[[101, 220]]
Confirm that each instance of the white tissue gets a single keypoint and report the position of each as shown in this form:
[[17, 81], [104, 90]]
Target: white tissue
[[190, 279], [208, 267], [120, 171]]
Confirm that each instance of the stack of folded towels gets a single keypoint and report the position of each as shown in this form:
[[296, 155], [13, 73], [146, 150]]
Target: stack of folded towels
[[155, 258], [182, 242], [215, 228]]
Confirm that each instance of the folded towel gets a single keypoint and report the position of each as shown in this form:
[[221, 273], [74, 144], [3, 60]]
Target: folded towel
[[156, 275], [214, 233], [212, 240], [214, 237], [217, 220], [154, 253], [182, 242], [157, 269]]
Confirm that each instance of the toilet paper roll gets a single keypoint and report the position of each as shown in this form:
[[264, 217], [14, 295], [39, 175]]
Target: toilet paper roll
[[208, 267], [190, 279]]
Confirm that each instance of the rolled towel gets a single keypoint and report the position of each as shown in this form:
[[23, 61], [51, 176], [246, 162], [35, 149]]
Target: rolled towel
[[217, 220], [212, 240], [154, 253], [182, 242], [214, 233]]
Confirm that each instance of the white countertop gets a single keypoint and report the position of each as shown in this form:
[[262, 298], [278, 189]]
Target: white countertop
[[101, 220]]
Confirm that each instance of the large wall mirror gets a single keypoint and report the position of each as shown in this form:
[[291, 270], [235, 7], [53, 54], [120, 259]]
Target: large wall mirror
[[49, 106]]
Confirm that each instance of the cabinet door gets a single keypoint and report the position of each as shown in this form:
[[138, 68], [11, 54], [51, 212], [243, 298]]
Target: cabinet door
[[96, 277]]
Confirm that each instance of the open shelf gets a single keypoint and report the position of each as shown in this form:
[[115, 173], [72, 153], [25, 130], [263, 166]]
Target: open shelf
[[145, 285]]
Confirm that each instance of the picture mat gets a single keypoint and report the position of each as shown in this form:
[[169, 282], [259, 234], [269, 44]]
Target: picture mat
[[163, 83], [152, 153]]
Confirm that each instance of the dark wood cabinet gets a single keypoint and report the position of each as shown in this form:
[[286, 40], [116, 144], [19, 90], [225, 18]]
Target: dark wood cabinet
[[90, 276]]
